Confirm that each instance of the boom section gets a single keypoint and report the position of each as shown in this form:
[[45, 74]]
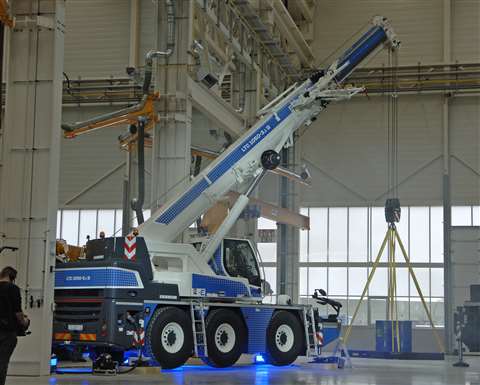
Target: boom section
[[241, 161]]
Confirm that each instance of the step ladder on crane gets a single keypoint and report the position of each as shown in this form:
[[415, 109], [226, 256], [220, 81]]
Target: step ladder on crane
[[197, 313], [311, 336]]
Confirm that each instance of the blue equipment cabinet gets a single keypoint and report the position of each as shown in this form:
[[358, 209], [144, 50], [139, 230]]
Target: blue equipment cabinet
[[384, 336]]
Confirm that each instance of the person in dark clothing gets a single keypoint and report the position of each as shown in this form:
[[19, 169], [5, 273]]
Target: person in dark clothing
[[11, 317]]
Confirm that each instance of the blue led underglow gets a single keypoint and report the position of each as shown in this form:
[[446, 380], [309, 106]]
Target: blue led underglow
[[199, 368], [259, 359], [73, 370], [130, 353]]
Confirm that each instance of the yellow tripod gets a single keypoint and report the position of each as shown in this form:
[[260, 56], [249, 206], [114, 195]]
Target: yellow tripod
[[391, 237]]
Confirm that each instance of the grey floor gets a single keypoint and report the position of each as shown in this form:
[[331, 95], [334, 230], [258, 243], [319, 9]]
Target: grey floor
[[364, 372]]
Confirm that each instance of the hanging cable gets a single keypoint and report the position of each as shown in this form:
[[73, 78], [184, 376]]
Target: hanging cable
[[392, 125]]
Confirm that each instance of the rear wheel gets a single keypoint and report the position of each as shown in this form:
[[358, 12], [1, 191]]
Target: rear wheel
[[226, 338], [169, 337], [284, 338]]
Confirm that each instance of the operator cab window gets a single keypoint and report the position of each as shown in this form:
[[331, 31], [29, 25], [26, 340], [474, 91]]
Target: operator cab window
[[239, 260]]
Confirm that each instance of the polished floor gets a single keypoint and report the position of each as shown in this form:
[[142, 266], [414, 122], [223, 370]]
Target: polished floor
[[364, 372]]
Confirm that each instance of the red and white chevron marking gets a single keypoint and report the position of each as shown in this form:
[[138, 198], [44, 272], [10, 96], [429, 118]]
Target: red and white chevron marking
[[130, 248], [139, 337], [320, 338]]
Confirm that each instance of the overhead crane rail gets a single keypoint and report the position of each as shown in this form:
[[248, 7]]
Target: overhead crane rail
[[458, 78]]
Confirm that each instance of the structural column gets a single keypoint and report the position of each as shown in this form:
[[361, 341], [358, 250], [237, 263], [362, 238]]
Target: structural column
[[288, 236], [448, 270], [30, 168], [172, 134]]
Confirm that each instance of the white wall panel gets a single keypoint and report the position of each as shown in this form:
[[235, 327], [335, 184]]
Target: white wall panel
[[147, 28], [345, 149], [417, 23], [97, 37], [87, 157], [465, 148], [466, 30]]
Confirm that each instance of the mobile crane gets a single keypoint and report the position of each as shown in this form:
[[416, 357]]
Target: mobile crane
[[179, 300]]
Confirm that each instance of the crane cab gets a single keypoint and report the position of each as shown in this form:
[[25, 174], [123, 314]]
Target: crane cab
[[238, 258]]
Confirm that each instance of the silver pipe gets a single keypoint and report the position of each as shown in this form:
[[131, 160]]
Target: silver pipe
[[170, 5], [109, 115]]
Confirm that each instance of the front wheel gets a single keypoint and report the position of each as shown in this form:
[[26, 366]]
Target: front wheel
[[169, 337], [226, 338], [284, 338]]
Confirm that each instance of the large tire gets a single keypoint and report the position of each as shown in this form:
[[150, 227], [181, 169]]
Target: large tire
[[169, 337], [285, 339], [226, 338]]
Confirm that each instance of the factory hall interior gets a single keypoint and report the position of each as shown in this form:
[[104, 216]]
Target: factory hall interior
[[265, 192]]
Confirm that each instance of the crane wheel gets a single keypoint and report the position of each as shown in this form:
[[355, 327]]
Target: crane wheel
[[226, 338], [168, 337], [284, 339]]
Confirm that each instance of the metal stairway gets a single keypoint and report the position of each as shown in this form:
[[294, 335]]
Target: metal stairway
[[311, 338], [197, 313]]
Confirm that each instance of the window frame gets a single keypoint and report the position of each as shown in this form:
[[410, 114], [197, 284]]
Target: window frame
[[305, 264]]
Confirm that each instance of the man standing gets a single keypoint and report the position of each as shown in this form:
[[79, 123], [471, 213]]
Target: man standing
[[11, 318]]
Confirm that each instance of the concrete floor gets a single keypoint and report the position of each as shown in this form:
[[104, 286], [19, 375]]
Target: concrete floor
[[365, 372]]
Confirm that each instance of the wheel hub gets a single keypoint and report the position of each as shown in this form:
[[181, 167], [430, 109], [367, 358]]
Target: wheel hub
[[225, 338], [284, 338], [172, 338]]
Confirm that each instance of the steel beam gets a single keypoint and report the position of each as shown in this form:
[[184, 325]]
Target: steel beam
[[290, 30], [215, 108], [172, 133], [288, 237], [306, 10], [276, 213], [447, 215]]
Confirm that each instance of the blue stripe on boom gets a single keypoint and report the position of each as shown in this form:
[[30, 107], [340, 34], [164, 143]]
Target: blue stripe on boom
[[183, 202], [226, 164], [249, 143], [358, 42], [361, 52]]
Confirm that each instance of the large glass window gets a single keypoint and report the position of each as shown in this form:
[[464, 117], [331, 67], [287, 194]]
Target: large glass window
[[357, 228], [70, 221], [318, 235], [74, 226], [268, 254], [465, 215], [419, 234], [337, 230], [338, 252]]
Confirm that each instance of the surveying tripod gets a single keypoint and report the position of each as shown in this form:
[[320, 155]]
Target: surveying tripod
[[392, 215]]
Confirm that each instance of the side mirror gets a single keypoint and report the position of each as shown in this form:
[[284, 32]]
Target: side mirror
[[322, 292], [266, 288]]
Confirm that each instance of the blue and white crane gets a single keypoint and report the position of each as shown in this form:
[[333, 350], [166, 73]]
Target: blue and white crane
[[205, 299]]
